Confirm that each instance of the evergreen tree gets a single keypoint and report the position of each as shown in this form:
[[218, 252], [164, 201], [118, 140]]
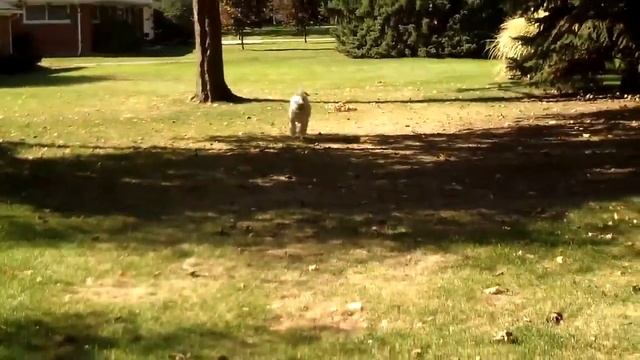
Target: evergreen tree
[[580, 40], [438, 28]]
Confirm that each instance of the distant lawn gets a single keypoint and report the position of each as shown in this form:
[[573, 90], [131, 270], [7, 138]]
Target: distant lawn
[[137, 225], [275, 32]]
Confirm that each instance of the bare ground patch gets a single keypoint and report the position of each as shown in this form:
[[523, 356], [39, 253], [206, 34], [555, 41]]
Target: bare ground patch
[[330, 301], [186, 281]]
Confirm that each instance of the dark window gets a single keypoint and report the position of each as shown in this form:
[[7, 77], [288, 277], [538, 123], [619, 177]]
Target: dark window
[[47, 13], [35, 13], [57, 12]]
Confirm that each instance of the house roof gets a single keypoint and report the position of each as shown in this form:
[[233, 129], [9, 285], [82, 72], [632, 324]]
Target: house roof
[[7, 8]]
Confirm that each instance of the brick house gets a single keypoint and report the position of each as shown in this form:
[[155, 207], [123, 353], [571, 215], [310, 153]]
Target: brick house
[[67, 27], [7, 12]]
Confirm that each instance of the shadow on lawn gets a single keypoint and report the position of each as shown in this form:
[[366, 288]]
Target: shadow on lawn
[[46, 77], [429, 189], [84, 336]]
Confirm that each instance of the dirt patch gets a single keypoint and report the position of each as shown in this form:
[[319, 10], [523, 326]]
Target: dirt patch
[[117, 291], [129, 291], [299, 312], [419, 264]]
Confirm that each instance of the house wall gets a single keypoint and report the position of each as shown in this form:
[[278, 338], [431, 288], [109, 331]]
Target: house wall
[[52, 39], [86, 28], [62, 39], [5, 36]]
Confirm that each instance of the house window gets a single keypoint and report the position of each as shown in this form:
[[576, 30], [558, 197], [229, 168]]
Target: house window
[[96, 15], [55, 14]]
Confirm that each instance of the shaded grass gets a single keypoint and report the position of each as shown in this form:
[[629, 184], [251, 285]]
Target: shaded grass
[[410, 205]]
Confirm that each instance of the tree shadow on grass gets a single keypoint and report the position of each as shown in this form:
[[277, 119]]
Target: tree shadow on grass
[[413, 189], [47, 77], [92, 335]]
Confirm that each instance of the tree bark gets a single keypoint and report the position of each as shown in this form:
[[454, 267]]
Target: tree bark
[[210, 83], [242, 39], [304, 30]]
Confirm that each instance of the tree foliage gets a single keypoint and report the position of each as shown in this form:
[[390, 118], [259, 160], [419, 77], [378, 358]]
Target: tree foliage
[[299, 13], [435, 28], [580, 40], [245, 14]]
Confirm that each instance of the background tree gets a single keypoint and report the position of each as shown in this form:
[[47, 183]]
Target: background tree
[[211, 85], [435, 28], [299, 13], [173, 21], [579, 41], [245, 14]]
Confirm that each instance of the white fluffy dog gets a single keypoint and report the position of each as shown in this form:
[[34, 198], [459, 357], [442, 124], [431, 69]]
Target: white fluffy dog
[[299, 113]]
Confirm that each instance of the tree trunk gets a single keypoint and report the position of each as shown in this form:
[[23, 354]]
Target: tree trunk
[[630, 82], [242, 39], [210, 83], [304, 30]]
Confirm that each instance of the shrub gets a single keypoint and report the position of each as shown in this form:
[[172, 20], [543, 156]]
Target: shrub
[[173, 21], [115, 36], [25, 55]]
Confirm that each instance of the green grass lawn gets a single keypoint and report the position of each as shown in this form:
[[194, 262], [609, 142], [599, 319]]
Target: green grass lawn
[[280, 32], [137, 225]]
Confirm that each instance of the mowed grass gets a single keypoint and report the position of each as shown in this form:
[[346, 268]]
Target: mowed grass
[[137, 225]]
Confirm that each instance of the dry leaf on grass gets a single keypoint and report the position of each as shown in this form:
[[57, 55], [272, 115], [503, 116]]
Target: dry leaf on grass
[[180, 356], [560, 259], [197, 274], [496, 290], [354, 307], [340, 107], [504, 336], [313, 267], [190, 264], [555, 318]]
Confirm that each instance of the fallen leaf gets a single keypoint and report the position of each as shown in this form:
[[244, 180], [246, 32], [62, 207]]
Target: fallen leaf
[[354, 307], [505, 336], [197, 274], [496, 290], [180, 356], [313, 267], [555, 318], [190, 264], [560, 260], [499, 273]]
